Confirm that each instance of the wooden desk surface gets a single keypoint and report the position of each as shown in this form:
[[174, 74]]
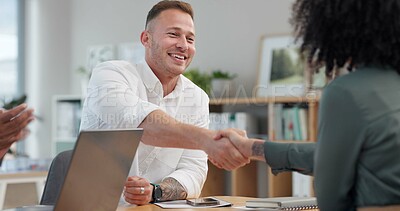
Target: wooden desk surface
[[237, 201]]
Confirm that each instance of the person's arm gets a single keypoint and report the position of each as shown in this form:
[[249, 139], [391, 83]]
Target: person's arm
[[283, 157], [114, 101], [172, 190], [179, 135], [181, 172], [12, 125], [190, 173]]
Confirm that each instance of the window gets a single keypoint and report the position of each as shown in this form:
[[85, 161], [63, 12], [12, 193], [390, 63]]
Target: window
[[11, 54]]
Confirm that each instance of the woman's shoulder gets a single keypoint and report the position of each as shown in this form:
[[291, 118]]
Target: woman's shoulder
[[365, 77]]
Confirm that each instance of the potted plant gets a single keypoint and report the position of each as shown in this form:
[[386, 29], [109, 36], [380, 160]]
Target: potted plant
[[202, 80], [222, 84]]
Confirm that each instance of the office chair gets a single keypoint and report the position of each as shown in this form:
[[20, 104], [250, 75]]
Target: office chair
[[55, 178]]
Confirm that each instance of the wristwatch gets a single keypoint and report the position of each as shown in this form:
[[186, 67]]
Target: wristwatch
[[157, 193]]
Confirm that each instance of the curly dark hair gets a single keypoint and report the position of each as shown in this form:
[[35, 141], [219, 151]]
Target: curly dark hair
[[356, 32]]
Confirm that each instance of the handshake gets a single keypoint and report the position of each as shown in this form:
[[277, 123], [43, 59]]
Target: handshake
[[232, 149]]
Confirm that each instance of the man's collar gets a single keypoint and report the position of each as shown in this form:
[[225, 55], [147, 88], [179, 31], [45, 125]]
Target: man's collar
[[150, 80], [153, 84]]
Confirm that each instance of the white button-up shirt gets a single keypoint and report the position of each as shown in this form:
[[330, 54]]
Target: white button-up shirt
[[121, 95]]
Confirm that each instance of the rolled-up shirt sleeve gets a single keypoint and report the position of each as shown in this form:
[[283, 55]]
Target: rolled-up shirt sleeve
[[191, 172], [283, 157]]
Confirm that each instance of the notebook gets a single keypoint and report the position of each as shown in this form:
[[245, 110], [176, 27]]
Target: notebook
[[284, 203], [99, 166]]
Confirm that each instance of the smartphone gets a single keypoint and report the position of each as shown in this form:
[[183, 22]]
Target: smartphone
[[205, 201]]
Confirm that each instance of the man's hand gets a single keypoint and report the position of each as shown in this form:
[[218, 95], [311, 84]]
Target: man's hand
[[251, 148], [13, 124], [238, 138], [224, 154], [138, 190]]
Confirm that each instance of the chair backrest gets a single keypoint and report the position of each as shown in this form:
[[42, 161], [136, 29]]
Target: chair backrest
[[55, 178]]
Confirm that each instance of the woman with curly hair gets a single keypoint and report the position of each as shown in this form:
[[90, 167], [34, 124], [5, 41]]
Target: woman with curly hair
[[356, 159]]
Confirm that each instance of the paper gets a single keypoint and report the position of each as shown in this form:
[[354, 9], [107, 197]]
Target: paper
[[181, 204], [252, 208]]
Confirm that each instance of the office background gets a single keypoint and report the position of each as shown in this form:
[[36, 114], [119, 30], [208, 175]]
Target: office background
[[58, 33]]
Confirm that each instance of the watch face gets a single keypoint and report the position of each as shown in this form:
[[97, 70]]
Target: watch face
[[157, 193]]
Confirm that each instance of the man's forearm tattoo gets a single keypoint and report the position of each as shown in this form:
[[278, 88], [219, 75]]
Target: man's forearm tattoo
[[172, 190], [257, 150]]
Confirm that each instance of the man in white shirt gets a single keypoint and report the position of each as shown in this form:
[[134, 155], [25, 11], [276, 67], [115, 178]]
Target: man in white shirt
[[172, 111]]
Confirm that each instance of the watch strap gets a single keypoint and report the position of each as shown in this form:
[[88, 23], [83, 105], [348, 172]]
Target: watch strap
[[154, 195]]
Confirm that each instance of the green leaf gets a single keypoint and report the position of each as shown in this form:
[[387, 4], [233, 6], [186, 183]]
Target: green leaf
[[203, 80], [222, 75], [14, 102]]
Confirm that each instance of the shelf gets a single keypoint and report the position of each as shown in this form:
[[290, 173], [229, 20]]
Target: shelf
[[265, 100], [243, 181], [66, 114]]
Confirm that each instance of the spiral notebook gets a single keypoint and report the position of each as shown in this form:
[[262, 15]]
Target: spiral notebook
[[284, 203]]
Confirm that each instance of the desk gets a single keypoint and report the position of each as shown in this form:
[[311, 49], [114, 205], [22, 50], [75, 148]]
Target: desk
[[21, 188], [237, 201]]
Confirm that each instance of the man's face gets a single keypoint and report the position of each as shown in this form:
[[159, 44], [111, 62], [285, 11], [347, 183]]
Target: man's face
[[170, 46]]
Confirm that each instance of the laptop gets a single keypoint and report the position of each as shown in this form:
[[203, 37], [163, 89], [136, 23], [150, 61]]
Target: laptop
[[99, 166], [97, 172]]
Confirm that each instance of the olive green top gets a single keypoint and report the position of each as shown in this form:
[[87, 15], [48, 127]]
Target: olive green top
[[357, 159]]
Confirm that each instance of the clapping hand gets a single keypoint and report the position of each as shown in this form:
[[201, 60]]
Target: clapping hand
[[13, 124]]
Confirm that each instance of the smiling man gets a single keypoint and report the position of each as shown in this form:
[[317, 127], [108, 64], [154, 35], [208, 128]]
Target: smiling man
[[171, 109]]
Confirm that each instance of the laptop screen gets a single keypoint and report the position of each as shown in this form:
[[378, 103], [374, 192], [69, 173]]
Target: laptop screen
[[100, 164]]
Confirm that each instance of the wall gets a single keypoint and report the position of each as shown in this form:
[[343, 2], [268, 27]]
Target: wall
[[59, 32], [48, 58], [228, 32]]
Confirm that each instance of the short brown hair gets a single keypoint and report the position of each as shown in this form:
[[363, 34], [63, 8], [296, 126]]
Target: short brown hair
[[167, 4]]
